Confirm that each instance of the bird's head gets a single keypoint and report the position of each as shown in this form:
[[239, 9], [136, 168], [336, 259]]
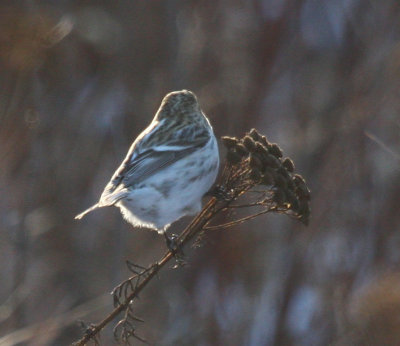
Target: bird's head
[[178, 104]]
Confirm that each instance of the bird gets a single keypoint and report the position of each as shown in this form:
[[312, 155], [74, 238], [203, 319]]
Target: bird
[[168, 169]]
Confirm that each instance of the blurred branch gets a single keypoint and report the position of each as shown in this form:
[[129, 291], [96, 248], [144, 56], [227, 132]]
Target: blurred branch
[[382, 145], [251, 161], [17, 297], [23, 335]]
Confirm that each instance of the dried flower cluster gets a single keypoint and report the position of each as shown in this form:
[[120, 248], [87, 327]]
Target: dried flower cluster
[[261, 163]]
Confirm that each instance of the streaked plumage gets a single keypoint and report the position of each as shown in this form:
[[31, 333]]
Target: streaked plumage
[[169, 167]]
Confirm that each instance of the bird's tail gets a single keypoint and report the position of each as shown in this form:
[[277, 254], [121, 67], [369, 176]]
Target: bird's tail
[[81, 215]]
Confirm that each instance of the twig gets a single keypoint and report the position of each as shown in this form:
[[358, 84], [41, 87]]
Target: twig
[[238, 221], [382, 145], [256, 204], [196, 225]]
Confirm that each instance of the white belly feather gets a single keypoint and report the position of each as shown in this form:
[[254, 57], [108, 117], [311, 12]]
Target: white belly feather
[[174, 192]]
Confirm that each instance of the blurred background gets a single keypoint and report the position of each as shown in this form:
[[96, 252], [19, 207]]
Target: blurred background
[[81, 79]]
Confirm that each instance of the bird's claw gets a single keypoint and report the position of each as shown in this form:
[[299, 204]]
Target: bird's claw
[[176, 249], [220, 193], [171, 242]]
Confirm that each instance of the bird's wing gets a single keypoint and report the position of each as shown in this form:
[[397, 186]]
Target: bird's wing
[[138, 167]]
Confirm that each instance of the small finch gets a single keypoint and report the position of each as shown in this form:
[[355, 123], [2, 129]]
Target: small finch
[[168, 168]]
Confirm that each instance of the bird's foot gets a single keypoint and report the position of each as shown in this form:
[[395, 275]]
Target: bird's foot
[[171, 242], [220, 193], [175, 249]]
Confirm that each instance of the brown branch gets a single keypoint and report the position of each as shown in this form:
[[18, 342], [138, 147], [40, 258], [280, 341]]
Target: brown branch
[[194, 228]]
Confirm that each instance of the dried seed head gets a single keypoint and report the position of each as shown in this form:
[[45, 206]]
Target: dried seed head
[[249, 143], [280, 181], [233, 157], [301, 187], [298, 179], [241, 149], [271, 161], [288, 164], [291, 185], [255, 174], [275, 150], [229, 142], [271, 171], [268, 179], [304, 207], [260, 162], [254, 134], [304, 211], [255, 161], [264, 141], [279, 197], [290, 196], [261, 149], [282, 171], [292, 199], [303, 192]]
